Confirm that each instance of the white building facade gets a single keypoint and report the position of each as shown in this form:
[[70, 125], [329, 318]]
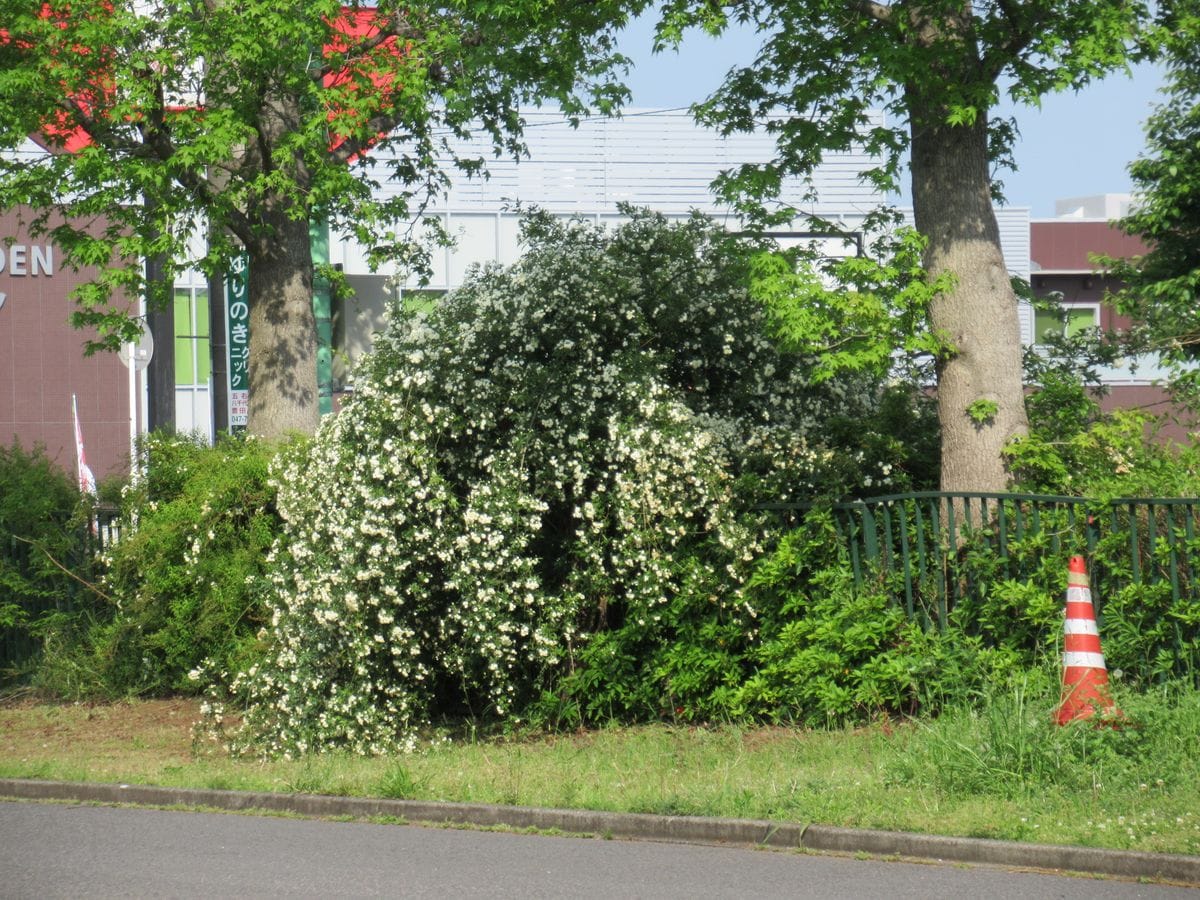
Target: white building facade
[[657, 159]]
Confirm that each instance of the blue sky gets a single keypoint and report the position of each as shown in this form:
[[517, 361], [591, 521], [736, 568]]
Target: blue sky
[[1075, 145]]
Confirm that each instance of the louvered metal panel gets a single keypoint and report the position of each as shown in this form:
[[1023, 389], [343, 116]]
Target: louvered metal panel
[[1014, 238], [1014, 241], [655, 158]]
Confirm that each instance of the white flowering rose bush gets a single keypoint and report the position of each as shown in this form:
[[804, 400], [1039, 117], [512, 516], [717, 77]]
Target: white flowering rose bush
[[538, 486]]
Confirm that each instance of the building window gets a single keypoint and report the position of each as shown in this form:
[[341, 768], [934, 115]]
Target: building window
[[1066, 321], [192, 356]]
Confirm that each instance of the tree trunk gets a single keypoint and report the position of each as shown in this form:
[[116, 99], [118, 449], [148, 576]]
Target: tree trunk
[[160, 322], [283, 332], [979, 381], [218, 344]]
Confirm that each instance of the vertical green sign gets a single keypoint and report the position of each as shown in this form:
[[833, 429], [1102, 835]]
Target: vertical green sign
[[237, 321], [319, 232]]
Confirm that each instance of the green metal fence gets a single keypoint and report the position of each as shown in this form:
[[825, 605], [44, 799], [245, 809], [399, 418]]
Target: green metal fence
[[919, 545]]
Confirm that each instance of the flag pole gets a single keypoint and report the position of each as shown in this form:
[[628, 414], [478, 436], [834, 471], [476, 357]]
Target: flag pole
[[78, 442], [134, 468]]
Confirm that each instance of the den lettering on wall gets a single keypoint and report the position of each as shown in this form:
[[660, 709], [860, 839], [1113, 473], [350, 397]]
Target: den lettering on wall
[[24, 260], [20, 260]]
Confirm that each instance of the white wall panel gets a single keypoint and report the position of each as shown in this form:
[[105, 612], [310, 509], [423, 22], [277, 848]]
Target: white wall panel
[[477, 240], [359, 318], [509, 240], [653, 158]]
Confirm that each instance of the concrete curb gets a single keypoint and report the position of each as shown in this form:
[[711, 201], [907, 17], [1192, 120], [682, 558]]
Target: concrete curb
[[634, 826]]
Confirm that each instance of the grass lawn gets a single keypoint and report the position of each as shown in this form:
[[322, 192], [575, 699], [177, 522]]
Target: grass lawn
[[956, 776]]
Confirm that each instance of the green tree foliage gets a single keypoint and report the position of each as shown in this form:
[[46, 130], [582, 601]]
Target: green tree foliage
[[41, 536], [1102, 455], [1164, 285], [1075, 448], [183, 584], [867, 313], [246, 120], [936, 69]]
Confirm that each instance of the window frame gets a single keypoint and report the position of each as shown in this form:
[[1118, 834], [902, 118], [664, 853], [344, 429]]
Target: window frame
[[193, 295], [1067, 306]]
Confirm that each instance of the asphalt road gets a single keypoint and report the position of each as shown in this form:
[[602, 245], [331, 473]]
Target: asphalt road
[[60, 850]]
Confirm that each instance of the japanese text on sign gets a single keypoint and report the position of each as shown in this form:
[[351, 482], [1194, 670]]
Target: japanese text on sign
[[237, 320]]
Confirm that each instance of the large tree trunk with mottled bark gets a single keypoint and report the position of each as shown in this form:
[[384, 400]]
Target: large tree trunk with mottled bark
[[980, 394], [283, 331]]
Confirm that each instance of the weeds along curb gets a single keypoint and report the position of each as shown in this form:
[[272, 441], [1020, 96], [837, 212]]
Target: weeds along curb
[[637, 826]]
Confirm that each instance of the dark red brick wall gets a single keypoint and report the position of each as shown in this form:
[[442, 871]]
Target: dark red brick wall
[[1179, 423], [1067, 245], [1085, 289], [42, 364]]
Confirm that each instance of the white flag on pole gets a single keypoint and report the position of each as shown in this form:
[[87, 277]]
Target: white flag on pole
[[87, 481]]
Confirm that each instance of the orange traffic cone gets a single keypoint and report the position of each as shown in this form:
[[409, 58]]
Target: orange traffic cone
[[1085, 678]]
